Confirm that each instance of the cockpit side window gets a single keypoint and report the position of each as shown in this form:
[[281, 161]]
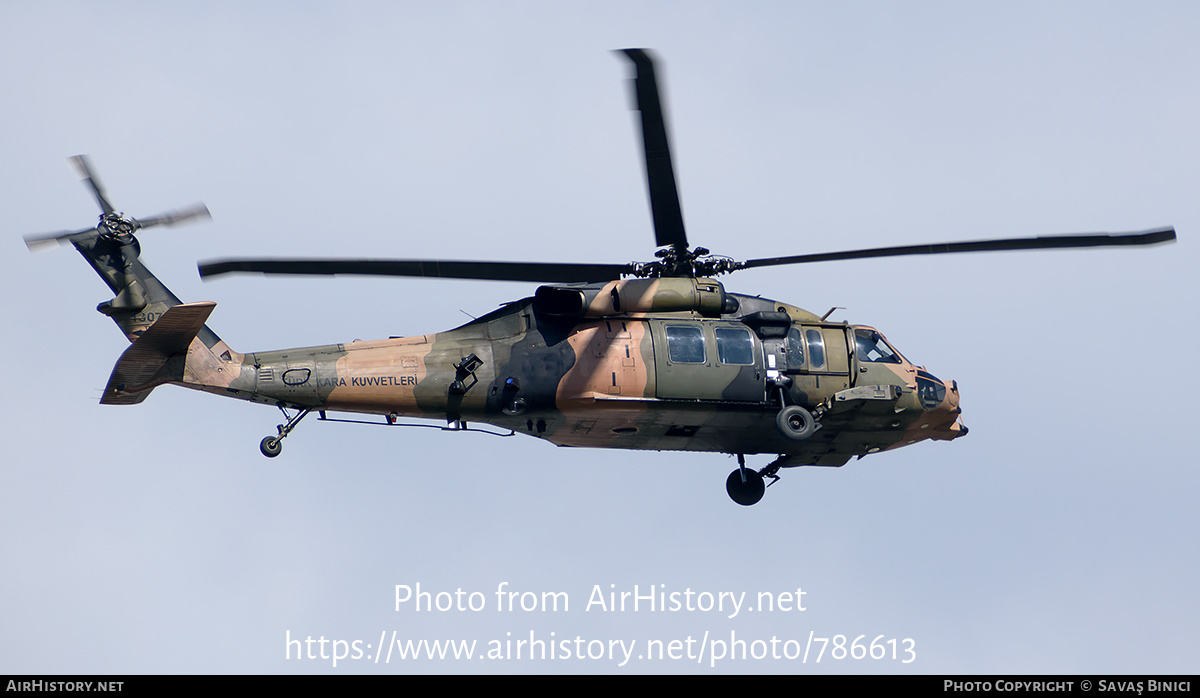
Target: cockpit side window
[[795, 349], [930, 389], [816, 348], [873, 348]]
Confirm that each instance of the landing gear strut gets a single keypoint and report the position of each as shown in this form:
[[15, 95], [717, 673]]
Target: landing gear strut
[[272, 446]]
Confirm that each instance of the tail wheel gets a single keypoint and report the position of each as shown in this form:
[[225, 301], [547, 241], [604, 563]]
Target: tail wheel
[[270, 446], [796, 423]]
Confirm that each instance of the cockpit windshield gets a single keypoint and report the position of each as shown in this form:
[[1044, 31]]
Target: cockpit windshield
[[873, 348]]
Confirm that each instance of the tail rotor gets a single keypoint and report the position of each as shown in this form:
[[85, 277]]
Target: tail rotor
[[113, 226]]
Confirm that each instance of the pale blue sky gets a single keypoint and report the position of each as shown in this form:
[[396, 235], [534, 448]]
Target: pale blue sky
[[1058, 537]]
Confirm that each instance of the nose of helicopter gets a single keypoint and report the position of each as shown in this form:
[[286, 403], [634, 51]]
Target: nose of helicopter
[[943, 413], [956, 428]]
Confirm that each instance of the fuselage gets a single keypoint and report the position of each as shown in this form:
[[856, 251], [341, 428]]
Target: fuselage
[[691, 380]]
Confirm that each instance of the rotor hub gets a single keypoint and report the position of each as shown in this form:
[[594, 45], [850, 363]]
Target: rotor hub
[[116, 226], [682, 262]]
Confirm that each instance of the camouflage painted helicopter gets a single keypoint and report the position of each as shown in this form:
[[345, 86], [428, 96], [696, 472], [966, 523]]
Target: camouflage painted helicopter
[[655, 355]]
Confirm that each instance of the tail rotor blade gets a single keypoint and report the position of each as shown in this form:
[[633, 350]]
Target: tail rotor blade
[[176, 216], [39, 243], [83, 167]]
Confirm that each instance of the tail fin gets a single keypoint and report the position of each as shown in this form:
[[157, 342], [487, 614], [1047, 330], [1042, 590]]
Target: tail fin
[[139, 298], [158, 355]]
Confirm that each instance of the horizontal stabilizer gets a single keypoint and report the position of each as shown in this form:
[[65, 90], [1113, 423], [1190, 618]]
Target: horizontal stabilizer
[[147, 362]]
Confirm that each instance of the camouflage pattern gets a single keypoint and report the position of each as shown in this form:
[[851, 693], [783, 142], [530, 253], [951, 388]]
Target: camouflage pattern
[[657, 364]]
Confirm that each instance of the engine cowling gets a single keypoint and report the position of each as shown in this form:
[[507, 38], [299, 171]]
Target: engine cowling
[[663, 295]]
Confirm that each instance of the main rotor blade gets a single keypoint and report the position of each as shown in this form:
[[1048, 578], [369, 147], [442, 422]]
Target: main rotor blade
[[83, 167], [1146, 237], [437, 268], [175, 217], [660, 174]]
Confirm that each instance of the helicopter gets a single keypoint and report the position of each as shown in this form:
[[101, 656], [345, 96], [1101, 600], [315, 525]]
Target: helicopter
[[646, 355]]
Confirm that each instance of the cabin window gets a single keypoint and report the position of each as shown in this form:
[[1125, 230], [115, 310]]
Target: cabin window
[[795, 349], [734, 346], [872, 348], [816, 348], [685, 344]]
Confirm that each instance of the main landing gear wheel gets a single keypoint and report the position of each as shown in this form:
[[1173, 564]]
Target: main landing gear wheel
[[270, 446], [796, 423], [745, 486]]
